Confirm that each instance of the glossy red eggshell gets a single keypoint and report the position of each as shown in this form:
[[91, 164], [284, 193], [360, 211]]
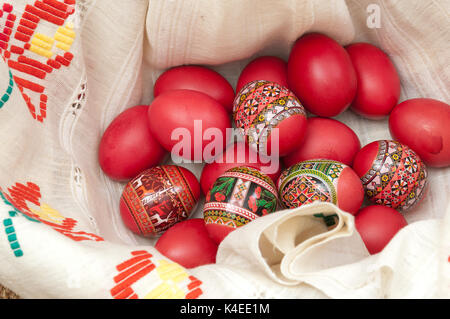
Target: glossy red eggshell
[[183, 109], [188, 243], [424, 125], [328, 139], [237, 154], [197, 78], [127, 146], [321, 75], [378, 81], [269, 68], [350, 191], [377, 225], [291, 133]]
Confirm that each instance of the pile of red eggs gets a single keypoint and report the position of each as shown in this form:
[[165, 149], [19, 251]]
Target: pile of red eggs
[[282, 110]]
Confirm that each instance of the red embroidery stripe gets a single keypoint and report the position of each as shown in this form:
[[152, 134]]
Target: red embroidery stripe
[[29, 191], [28, 23], [121, 276], [27, 69], [11, 17], [7, 30], [124, 294], [4, 37], [17, 50], [30, 17], [132, 279], [56, 4], [51, 10], [68, 56], [26, 46], [43, 98], [61, 60], [6, 54], [195, 283], [29, 85], [133, 297], [53, 64], [9, 24], [44, 15], [132, 261], [139, 252], [194, 294], [3, 45], [7, 7], [35, 63], [25, 30], [22, 37], [43, 106], [69, 1]]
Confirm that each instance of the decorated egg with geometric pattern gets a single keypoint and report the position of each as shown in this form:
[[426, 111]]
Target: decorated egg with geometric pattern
[[238, 196], [321, 180], [158, 198], [392, 174], [260, 107]]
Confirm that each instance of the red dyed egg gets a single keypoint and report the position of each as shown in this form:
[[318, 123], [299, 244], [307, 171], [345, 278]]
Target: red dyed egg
[[127, 146], [321, 180], [237, 197], [327, 139], [424, 125], [158, 198], [189, 123], [238, 154], [268, 68], [392, 174], [262, 108], [377, 225], [378, 82], [197, 78], [188, 244], [321, 75]]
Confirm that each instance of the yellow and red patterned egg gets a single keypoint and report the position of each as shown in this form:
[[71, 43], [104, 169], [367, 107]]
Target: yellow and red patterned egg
[[158, 198], [321, 180], [238, 196], [259, 107], [392, 174]]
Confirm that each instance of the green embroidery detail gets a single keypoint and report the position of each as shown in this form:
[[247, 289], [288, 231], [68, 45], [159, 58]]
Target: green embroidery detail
[[9, 89]]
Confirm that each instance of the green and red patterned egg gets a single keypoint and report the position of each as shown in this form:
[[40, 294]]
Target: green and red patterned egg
[[237, 197], [393, 174], [321, 180], [158, 198], [259, 107]]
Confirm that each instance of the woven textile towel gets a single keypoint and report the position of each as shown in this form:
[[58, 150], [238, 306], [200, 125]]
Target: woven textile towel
[[69, 67]]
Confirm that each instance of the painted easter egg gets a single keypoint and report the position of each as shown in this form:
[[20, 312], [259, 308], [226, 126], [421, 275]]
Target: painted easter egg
[[238, 196], [188, 243], [321, 75], [238, 154], [127, 146], [269, 68], [260, 107], [189, 124], [392, 174], [430, 138], [377, 225], [321, 180], [197, 78], [378, 88], [158, 198], [326, 138]]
